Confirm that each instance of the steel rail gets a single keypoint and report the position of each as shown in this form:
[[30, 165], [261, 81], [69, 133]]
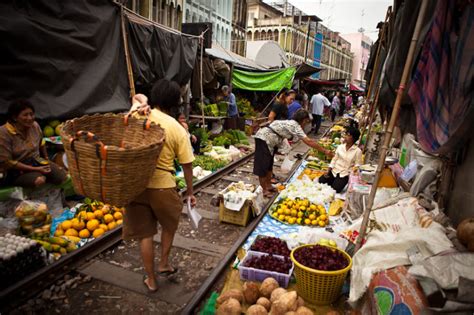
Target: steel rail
[[27, 287], [203, 291]]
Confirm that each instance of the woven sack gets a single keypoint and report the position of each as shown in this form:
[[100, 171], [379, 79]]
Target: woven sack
[[111, 157]]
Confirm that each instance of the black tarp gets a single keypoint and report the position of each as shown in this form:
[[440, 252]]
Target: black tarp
[[158, 53], [66, 57]]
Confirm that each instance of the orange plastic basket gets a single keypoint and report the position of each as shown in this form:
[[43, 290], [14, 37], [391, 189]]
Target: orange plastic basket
[[316, 286]]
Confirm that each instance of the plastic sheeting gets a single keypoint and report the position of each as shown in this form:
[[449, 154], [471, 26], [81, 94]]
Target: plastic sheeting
[[158, 53], [66, 57], [263, 81]]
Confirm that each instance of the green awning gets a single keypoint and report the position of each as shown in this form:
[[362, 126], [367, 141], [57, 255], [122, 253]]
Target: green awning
[[263, 81]]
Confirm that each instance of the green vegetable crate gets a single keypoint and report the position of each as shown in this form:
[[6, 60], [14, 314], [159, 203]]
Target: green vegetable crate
[[241, 217]]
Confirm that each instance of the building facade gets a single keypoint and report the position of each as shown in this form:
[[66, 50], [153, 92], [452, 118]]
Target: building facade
[[302, 38], [218, 12], [336, 56], [284, 24], [360, 47], [239, 25], [165, 12]]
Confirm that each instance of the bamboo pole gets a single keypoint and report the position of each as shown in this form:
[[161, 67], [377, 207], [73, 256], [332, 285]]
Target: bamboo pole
[[127, 55], [201, 42], [377, 54], [371, 119], [393, 120], [369, 108]]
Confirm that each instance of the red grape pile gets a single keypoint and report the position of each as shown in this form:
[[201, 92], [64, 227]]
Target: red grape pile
[[270, 263], [321, 258], [270, 245]]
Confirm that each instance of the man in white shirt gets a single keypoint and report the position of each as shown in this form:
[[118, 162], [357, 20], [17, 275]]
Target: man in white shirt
[[347, 156], [318, 102]]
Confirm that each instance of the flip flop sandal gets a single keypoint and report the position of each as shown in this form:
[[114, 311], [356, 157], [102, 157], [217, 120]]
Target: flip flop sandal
[[167, 273], [150, 290], [268, 195]]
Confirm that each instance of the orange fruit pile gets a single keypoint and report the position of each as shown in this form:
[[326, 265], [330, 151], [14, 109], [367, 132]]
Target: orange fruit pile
[[300, 211], [92, 221]]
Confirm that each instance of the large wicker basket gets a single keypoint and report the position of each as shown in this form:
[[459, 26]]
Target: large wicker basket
[[111, 158]]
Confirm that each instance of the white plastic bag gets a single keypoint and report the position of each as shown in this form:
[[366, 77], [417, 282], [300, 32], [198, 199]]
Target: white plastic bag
[[193, 215], [285, 147], [410, 171], [287, 165]]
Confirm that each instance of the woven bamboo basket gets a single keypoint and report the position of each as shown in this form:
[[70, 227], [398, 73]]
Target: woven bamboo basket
[[111, 157]]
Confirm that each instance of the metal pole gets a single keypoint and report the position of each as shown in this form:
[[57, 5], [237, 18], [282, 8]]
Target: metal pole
[[393, 120]]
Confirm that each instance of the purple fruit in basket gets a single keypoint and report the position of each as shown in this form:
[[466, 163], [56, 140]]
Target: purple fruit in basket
[[271, 245], [321, 258]]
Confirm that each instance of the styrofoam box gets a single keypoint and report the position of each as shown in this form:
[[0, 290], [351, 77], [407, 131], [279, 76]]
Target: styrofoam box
[[252, 274]]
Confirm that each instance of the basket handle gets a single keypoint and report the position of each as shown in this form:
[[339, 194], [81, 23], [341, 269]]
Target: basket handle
[[100, 150], [146, 122]]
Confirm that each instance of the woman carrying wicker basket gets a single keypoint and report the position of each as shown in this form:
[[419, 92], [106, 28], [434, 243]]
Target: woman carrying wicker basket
[[160, 201]]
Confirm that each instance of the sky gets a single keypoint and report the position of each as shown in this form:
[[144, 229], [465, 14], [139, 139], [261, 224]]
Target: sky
[[347, 16]]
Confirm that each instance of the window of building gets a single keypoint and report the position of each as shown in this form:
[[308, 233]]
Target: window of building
[[154, 15], [129, 4]]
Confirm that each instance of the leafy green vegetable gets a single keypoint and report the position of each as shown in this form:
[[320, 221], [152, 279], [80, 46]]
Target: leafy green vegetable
[[208, 163], [246, 108], [229, 137]]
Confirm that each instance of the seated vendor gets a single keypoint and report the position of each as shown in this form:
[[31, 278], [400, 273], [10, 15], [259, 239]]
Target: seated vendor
[[22, 151], [347, 156], [270, 138]]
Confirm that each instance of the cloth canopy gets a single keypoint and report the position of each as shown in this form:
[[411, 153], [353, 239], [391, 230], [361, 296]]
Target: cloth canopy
[[353, 87], [306, 70], [238, 61], [263, 81], [441, 88]]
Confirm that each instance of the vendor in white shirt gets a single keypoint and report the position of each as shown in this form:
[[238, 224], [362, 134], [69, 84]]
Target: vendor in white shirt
[[347, 156]]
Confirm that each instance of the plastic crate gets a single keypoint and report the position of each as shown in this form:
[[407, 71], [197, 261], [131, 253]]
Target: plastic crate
[[235, 217], [252, 274]]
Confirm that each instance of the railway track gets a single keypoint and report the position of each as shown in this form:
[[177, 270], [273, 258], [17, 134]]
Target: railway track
[[115, 266]]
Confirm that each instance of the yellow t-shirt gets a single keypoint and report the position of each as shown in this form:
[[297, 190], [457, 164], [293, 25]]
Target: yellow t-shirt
[[176, 145]]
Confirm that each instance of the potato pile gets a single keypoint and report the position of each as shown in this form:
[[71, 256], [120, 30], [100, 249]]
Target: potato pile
[[268, 298]]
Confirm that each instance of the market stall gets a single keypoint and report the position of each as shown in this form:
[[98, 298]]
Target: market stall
[[114, 52]]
